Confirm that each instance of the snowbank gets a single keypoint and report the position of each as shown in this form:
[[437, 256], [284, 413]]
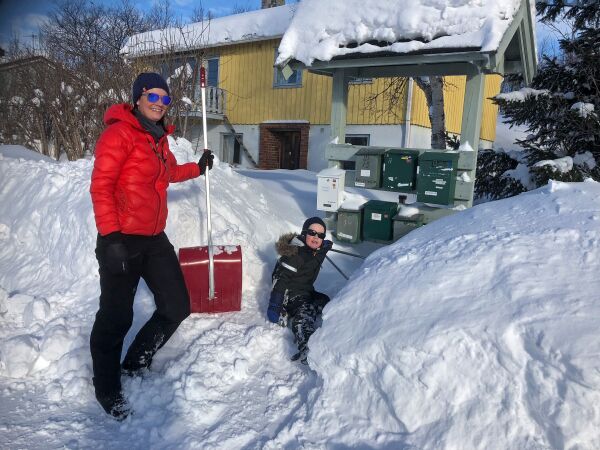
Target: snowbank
[[479, 330], [218, 381]]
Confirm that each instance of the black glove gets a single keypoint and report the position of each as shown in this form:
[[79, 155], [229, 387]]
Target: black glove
[[116, 254], [326, 246], [206, 160]]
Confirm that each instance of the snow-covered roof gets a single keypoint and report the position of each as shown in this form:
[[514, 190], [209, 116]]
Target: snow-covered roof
[[262, 24], [322, 30]]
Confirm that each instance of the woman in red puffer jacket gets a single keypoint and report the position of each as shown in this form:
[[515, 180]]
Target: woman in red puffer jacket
[[132, 170]]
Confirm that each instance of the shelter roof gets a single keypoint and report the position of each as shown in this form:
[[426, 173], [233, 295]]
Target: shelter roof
[[497, 35]]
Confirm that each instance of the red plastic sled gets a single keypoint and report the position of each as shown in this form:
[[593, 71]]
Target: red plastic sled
[[194, 263]]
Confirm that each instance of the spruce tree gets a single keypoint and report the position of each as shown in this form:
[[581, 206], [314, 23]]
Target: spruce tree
[[561, 108]]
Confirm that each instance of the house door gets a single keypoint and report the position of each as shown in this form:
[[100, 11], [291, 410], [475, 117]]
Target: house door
[[231, 149], [290, 149]]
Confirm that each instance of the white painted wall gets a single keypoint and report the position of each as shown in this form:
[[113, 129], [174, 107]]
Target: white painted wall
[[215, 142], [318, 138]]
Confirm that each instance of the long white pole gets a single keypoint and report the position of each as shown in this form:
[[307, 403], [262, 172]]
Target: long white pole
[[211, 260]]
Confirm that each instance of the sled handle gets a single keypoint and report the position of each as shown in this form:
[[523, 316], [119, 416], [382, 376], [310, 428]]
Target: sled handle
[[211, 258]]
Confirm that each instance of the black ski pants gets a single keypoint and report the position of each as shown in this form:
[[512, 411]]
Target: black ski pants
[[303, 311], [152, 258]]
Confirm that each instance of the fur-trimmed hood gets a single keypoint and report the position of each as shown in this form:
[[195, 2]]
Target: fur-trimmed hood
[[288, 244]]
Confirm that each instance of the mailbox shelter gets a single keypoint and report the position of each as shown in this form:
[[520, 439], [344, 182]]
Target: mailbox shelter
[[347, 40]]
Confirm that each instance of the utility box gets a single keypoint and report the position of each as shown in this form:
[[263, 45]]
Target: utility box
[[404, 225], [400, 169], [330, 189], [349, 225], [369, 162], [377, 220], [436, 180]]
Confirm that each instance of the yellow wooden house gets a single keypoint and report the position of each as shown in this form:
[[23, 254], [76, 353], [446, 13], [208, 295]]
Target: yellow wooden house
[[258, 117]]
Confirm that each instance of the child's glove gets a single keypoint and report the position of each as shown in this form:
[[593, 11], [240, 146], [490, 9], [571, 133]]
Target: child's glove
[[326, 246], [275, 306]]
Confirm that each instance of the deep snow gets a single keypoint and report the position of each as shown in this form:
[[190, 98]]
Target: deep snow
[[476, 331], [323, 30]]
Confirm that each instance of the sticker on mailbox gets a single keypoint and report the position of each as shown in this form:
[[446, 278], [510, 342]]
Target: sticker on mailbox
[[359, 184], [365, 173], [439, 181], [375, 216], [432, 193]]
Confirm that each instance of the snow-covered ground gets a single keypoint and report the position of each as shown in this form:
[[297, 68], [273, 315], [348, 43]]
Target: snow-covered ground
[[479, 330]]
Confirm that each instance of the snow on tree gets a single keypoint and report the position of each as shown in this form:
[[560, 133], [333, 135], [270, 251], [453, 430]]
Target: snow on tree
[[560, 109]]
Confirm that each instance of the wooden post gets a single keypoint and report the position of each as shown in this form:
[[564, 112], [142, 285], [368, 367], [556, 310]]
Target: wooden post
[[339, 109], [471, 120]]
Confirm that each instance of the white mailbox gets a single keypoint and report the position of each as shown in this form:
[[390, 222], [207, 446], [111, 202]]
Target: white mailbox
[[330, 189]]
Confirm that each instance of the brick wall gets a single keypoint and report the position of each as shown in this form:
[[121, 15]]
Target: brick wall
[[270, 144]]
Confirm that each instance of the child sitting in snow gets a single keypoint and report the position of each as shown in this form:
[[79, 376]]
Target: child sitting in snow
[[293, 294]]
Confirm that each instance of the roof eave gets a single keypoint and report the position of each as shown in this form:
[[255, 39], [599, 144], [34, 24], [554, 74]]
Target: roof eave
[[403, 64], [196, 47], [521, 30], [435, 61]]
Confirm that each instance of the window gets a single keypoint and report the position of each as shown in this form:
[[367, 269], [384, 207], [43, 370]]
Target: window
[[358, 139], [361, 81], [355, 139], [212, 72], [279, 81]]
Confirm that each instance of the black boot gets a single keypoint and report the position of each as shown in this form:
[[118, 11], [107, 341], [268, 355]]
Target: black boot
[[302, 354], [114, 404]]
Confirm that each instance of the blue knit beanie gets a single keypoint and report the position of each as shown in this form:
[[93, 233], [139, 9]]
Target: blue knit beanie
[[312, 220], [147, 80]]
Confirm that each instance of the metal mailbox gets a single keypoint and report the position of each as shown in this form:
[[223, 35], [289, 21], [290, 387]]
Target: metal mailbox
[[377, 220], [404, 225], [330, 189], [436, 180], [369, 163], [349, 225], [400, 169]]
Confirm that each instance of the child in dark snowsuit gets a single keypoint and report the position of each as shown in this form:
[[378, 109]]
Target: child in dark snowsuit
[[293, 292]]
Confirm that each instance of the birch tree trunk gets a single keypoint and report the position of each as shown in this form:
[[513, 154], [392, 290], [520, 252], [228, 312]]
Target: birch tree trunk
[[433, 88], [436, 114]]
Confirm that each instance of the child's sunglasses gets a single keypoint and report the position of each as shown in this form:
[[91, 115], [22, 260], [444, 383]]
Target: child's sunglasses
[[153, 98], [315, 233]]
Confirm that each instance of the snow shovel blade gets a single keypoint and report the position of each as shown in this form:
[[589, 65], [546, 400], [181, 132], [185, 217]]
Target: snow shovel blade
[[194, 263]]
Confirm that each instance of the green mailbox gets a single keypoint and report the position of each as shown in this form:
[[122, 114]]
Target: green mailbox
[[404, 225], [436, 179], [377, 220], [349, 225], [369, 162], [400, 169]]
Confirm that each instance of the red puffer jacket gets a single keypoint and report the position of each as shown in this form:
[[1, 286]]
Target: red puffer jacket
[[131, 175]]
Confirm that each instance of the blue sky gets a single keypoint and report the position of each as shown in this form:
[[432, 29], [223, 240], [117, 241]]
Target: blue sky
[[24, 16]]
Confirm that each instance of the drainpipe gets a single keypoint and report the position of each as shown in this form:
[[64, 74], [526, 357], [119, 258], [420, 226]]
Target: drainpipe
[[407, 113]]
